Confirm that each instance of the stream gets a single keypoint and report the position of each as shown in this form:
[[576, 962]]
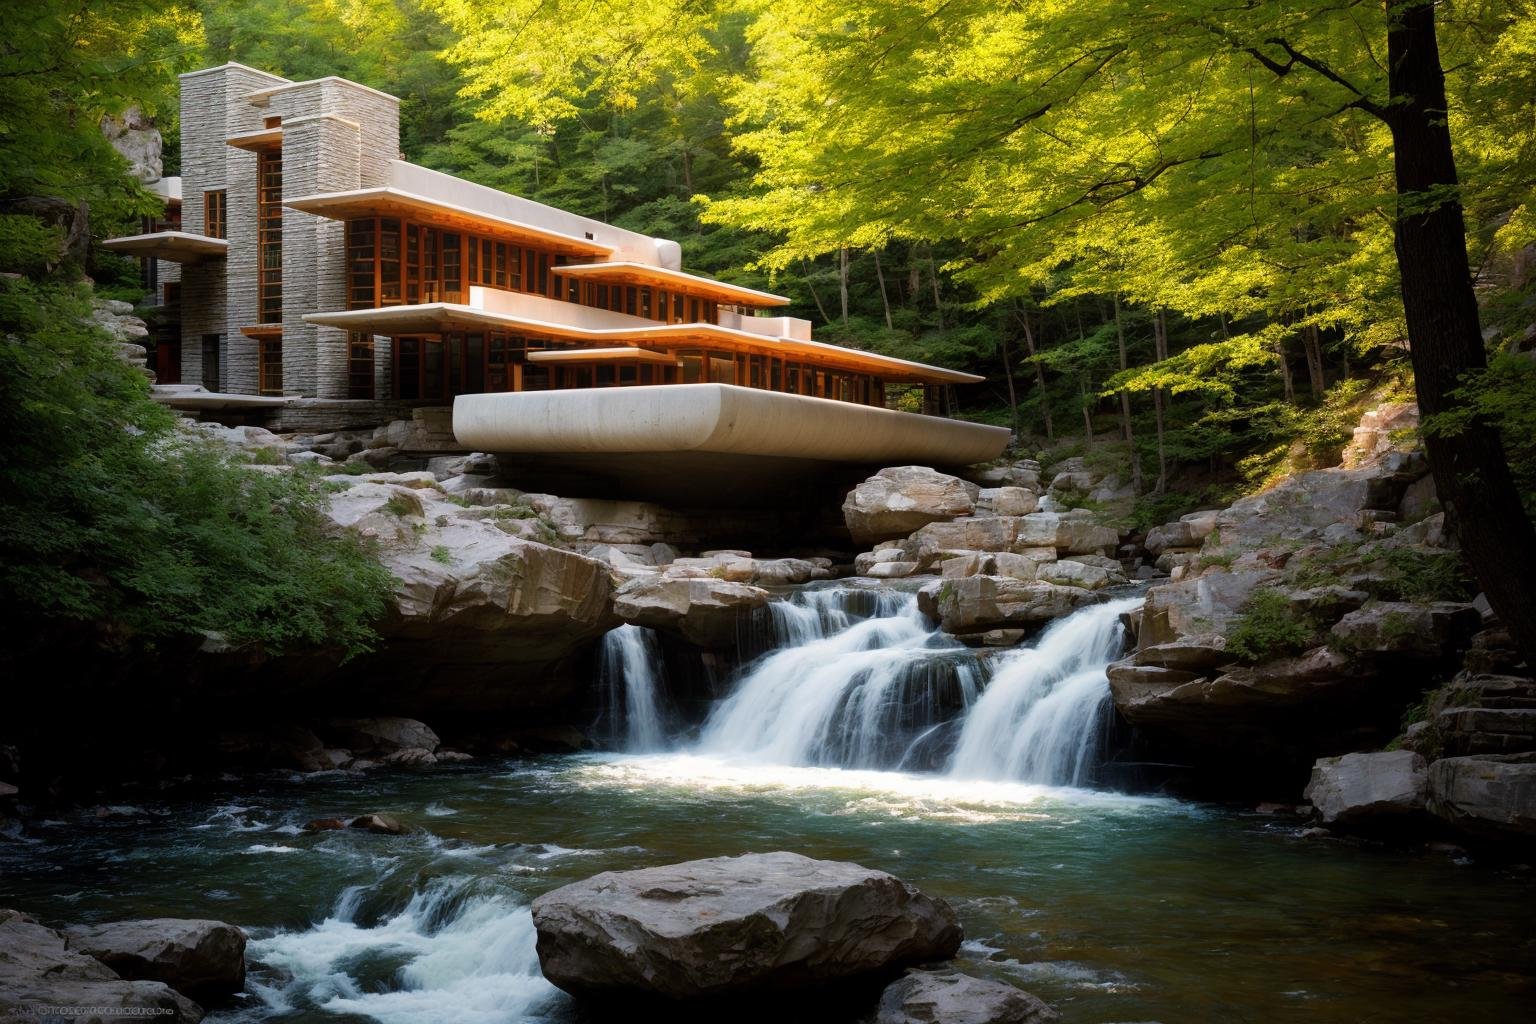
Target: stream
[[860, 734]]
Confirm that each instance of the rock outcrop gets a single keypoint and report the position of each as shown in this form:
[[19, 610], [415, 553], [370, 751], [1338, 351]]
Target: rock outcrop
[[203, 960], [949, 997], [974, 604], [1369, 789], [37, 969], [1493, 795], [759, 925], [900, 499], [703, 610]]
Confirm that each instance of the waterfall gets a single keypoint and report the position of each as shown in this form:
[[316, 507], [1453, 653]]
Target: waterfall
[[845, 689], [631, 664], [1038, 720]]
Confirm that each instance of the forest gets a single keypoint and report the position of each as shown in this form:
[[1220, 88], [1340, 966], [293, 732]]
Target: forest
[[1162, 232]]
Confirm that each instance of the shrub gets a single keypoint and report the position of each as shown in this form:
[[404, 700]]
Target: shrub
[[1270, 627], [441, 553], [109, 513]]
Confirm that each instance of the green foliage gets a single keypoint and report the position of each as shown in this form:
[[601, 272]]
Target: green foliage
[[400, 507], [1270, 627], [1504, 395], [1412, 574], [441, 553], [109, 513]]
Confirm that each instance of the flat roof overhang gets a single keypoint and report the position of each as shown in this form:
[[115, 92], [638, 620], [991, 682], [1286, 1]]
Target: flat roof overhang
[[436, 317], [194, 396], [624, 272], [385, 201], [171, 246], [261, 138], [677, 420], [604, 355]]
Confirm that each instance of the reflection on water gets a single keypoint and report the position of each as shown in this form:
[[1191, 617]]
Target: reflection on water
[[1114, 908]]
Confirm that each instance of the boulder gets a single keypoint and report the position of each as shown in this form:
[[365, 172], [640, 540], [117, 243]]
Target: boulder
[[478, 614], [382, 824], [1487, 730], [1374, 789], [1433, 630], [1006, 501], [935, 541], [1492, 795], [1189, 532], [1206, 604], [702, 610], [384, 735], [746, 927], [1242, 694], [1190, 654], [1070, 533], [978, 603], [949, 997], [900, 499], [1071, 573], [203, 960], [37, 969]]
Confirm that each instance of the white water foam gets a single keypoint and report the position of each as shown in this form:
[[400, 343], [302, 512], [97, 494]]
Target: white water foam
[[843, 691], [631, 658], [1038, 719], [470, 959], [869, 794]]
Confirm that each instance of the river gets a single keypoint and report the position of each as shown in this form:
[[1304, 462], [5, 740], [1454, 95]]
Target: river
[[968, 778]]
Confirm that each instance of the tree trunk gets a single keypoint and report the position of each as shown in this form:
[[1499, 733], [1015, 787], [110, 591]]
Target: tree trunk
[[1160, 340], [805, 272], [1314, 349], [842, 280], [1013, 398], [933, 275], [1285, 371], [1029, 342], [1087, 413], [885, 302], [1444, 335], [1125, 403]]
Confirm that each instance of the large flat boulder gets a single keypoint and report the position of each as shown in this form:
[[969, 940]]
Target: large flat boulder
[[972, 604], [383, 735], [1435, 630], [1369, 789], [702, 610], [901, 499], [752, 926], [203, 960], [1208, 604], [949, 997], [1490, 795], [37, 969]]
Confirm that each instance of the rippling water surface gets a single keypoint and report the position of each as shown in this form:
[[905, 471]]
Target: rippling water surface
[[1114, 908]]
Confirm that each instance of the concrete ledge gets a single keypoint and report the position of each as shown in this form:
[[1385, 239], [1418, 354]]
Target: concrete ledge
[[721, 419]]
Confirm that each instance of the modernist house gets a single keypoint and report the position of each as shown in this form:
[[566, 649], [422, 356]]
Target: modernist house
[[311, 264]]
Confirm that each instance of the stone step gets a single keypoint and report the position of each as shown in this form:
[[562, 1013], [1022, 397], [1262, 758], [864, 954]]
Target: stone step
[[1487, 730]]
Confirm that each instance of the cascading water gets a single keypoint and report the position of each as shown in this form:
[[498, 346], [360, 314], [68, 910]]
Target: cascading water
[[849, 687], [1039, 719], [631, 663], [458, 949], [844, 690]]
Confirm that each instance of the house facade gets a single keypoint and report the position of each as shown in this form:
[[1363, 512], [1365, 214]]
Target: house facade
[[310, 263]]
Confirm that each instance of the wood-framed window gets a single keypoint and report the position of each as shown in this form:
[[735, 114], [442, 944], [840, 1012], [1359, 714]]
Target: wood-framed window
[[269, 365], [359, 364], [269, 236], [214, 225]]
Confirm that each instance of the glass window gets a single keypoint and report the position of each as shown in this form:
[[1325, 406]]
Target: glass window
[[693, 367], [359, 365]]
